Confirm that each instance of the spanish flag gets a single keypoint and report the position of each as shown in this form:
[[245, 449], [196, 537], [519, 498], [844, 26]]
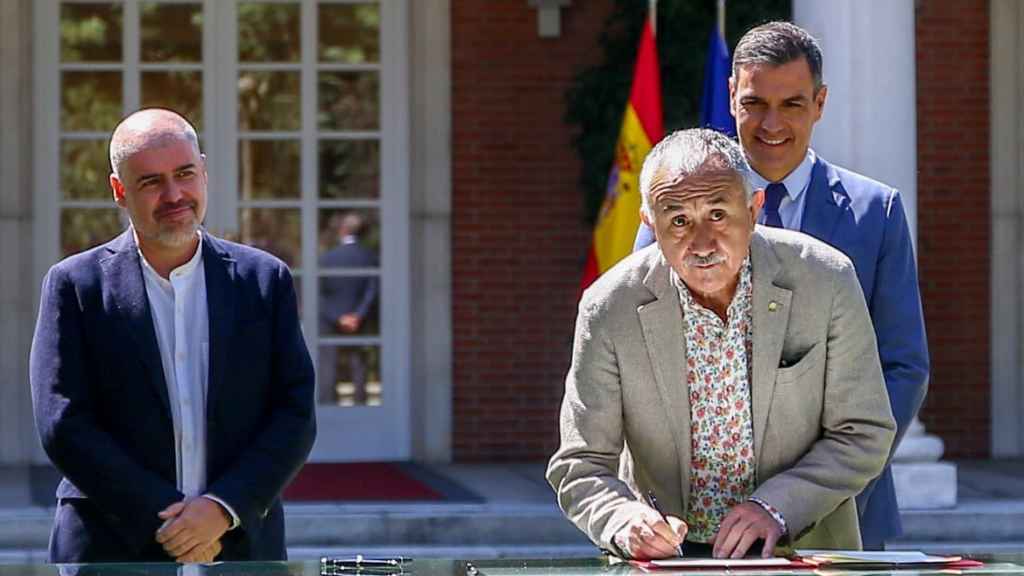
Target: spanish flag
[[641, 128]]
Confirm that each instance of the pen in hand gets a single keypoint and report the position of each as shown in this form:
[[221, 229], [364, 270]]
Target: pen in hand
[[653, 502]]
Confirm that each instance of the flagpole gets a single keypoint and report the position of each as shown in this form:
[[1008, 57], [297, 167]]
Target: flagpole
[[721, 18], [652, 15]]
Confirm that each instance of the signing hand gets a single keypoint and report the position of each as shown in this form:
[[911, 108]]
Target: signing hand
[[195, 524], [349, 323], [741, 527], [648, 537]]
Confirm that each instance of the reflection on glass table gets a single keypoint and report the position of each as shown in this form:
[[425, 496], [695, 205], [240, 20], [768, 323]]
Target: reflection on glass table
[[1004, 563]]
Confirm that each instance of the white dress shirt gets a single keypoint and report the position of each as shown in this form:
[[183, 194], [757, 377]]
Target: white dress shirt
[[181, 319], [791, 210]]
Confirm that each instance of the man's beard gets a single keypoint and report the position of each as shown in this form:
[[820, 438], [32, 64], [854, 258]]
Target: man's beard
[[178, 236], [171, 235]]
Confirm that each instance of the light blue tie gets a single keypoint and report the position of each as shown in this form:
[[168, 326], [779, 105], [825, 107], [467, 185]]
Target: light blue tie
[[773, 196]]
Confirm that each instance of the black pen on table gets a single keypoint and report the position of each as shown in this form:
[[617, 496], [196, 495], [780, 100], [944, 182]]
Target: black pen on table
[[653, 502], [362, 561]]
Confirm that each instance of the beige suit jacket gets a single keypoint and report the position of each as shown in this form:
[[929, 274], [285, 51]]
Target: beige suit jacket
[[821, 418]]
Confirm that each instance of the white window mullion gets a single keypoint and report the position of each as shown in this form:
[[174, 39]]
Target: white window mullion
[[171, 66], [211, 135], [395, 310], [268, 135], [46, 119], [132, 77], [309, 176], [220, 51]]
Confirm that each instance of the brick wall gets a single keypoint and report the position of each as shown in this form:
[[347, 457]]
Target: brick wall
[[518, 242], [953, 217]]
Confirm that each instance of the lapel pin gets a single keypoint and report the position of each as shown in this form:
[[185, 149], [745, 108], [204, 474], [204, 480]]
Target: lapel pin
[[773, 306]]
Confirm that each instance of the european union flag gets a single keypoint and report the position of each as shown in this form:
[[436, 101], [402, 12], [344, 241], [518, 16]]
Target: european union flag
[[714, 102]]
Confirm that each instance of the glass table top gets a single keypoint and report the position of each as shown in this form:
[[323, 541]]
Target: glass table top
[[999, 563]]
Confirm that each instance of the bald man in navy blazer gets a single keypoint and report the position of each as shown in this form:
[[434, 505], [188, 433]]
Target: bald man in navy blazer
[[777, 95], [171, 383]]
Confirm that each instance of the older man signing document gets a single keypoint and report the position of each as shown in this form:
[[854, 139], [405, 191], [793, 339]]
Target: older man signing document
[[729, 369]]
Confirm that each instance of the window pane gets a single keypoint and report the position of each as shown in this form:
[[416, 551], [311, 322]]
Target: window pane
[[349, 376], [335, 224], [84, 170], [268, 169], [171, 32], [268, 101], [349, 33], [268, 32], [180, 91], [82, 228], [349, 169], [276, 230], [90, 100], [90, 32], [349, 100], [349, 305]]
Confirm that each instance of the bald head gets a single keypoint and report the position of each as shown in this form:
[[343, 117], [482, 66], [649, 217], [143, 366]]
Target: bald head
[[351, 224], [148, 128]]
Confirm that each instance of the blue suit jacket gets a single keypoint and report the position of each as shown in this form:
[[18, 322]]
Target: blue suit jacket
[[102, 409], [865, 220], [347, 294]]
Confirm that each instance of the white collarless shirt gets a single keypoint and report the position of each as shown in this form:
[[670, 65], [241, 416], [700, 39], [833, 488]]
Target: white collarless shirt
[[179, 311], [791, 209]]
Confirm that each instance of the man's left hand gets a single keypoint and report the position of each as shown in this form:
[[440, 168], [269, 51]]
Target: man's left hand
[[194, 523], [741, 527], [201, 555]]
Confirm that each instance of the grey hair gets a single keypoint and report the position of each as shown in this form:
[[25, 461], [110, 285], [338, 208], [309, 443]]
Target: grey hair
[[684, 152], [778, 43], [147, 128]]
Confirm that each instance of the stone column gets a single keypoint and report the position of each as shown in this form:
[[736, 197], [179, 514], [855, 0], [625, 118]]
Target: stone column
[[18, 287], [870, 119], [921, 480], [870, 126]]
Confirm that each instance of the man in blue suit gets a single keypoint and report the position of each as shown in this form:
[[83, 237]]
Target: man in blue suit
[[777, 95], [170, 381], [345, 303]]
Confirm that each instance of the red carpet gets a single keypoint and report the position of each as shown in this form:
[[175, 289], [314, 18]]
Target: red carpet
[[320, 481]]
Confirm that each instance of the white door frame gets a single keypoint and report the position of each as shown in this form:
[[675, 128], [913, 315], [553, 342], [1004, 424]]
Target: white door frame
[[1006, 76], [345, 433]]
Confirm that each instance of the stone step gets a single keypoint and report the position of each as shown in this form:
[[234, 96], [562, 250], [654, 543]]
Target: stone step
[[25, 528], [462, 552], [517, 529], [970, 521], [959, 547], [353, 526], [429, 524], [39, 555]]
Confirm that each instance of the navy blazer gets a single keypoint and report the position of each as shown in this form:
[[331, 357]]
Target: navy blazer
[[347, 294], [864, 219], [103, 415]]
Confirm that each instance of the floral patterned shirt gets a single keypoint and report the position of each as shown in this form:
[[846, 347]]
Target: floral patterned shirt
[[718, 360]]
